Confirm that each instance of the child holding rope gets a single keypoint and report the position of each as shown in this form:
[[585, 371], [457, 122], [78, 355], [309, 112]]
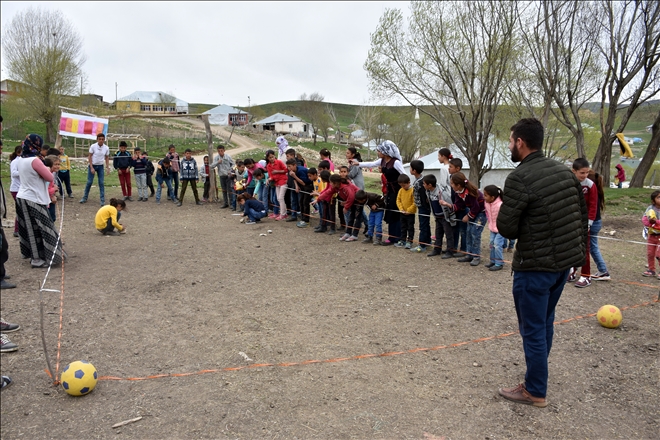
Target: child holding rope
[[277, 173], [493, 201], [470, 199], [345, 191]]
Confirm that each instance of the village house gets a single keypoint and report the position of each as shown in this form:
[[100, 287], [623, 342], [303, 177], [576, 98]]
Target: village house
[[284, 124], [227, 115], [151, 102]]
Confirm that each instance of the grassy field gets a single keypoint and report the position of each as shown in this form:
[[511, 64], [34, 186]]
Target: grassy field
[[627, 201]]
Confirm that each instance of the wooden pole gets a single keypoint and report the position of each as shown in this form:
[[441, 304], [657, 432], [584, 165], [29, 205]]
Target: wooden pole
[[213, 192]]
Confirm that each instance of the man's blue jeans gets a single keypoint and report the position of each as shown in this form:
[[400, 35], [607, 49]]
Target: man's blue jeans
[[170, 190], [99, 171], [535, 295]]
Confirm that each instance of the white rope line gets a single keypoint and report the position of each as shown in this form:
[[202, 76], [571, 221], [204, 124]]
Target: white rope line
[[59, 239]]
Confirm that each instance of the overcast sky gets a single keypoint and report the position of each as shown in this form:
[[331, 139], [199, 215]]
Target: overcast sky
[[223, 52]]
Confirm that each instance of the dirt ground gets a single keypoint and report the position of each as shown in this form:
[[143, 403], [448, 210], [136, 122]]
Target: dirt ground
[[354, 340]]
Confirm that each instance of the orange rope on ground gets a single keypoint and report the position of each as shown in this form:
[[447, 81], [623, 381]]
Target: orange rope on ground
[[356, 357]]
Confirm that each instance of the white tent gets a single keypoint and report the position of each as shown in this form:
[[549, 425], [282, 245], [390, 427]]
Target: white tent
[[220, 115], [498, 158]]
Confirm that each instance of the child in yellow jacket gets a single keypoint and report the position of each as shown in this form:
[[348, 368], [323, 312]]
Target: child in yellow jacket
[[107, 218], [405, 201]]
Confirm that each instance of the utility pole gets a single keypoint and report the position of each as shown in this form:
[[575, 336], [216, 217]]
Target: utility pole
[[115, 94]]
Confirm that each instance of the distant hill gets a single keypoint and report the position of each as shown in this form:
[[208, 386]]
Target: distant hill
[[594, 107]]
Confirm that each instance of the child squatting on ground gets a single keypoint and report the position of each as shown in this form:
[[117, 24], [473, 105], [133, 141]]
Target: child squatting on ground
[[107, 218], [253, 209]]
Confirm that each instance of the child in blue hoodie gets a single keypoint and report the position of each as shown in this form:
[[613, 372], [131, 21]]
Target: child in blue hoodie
[[253, 209]]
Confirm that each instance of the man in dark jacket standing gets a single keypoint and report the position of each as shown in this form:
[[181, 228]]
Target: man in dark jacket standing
[[543, 208]]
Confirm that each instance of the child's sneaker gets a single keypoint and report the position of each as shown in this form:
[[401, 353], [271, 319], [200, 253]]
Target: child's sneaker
[[331, 232], [572, 276], [6, 345], [351, 238], [250, 223], [272, 215], [368, 239], [399, 244], [6, 381], [8, 327], [418, 249], [601, 276], [648, 273], [378, 242], [302, 224], [583, 282], [408, 245], [344, 237]]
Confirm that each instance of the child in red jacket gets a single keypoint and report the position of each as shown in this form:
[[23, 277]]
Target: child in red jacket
[[590, 192], [345, 191]]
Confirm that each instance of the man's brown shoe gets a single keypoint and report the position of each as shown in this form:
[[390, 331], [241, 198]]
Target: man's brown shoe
[[519, 394]]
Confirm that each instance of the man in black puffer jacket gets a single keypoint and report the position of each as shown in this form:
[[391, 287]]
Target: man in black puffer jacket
[[543, 208]]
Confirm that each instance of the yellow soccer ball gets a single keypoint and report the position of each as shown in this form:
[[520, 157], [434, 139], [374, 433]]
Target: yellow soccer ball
[[609, 316], [79, 378]]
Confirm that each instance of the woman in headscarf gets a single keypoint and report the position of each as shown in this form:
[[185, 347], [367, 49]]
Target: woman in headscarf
[[39, 240], [391, 165]]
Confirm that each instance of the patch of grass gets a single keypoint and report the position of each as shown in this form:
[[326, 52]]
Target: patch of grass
[[626, 201]]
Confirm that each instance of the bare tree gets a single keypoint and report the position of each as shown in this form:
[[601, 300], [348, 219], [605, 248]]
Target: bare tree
[[558, 35], [630, 50], [451, 62], [651, 153], [314, 111], [44, 52], [405, 134]]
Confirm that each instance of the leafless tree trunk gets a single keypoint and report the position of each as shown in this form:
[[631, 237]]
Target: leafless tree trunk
[[451, 62], [651, 153], [314, 112], [630, 49], [559, 36]]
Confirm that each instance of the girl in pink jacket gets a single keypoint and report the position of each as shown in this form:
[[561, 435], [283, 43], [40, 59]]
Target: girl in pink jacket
[[493, 201]]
